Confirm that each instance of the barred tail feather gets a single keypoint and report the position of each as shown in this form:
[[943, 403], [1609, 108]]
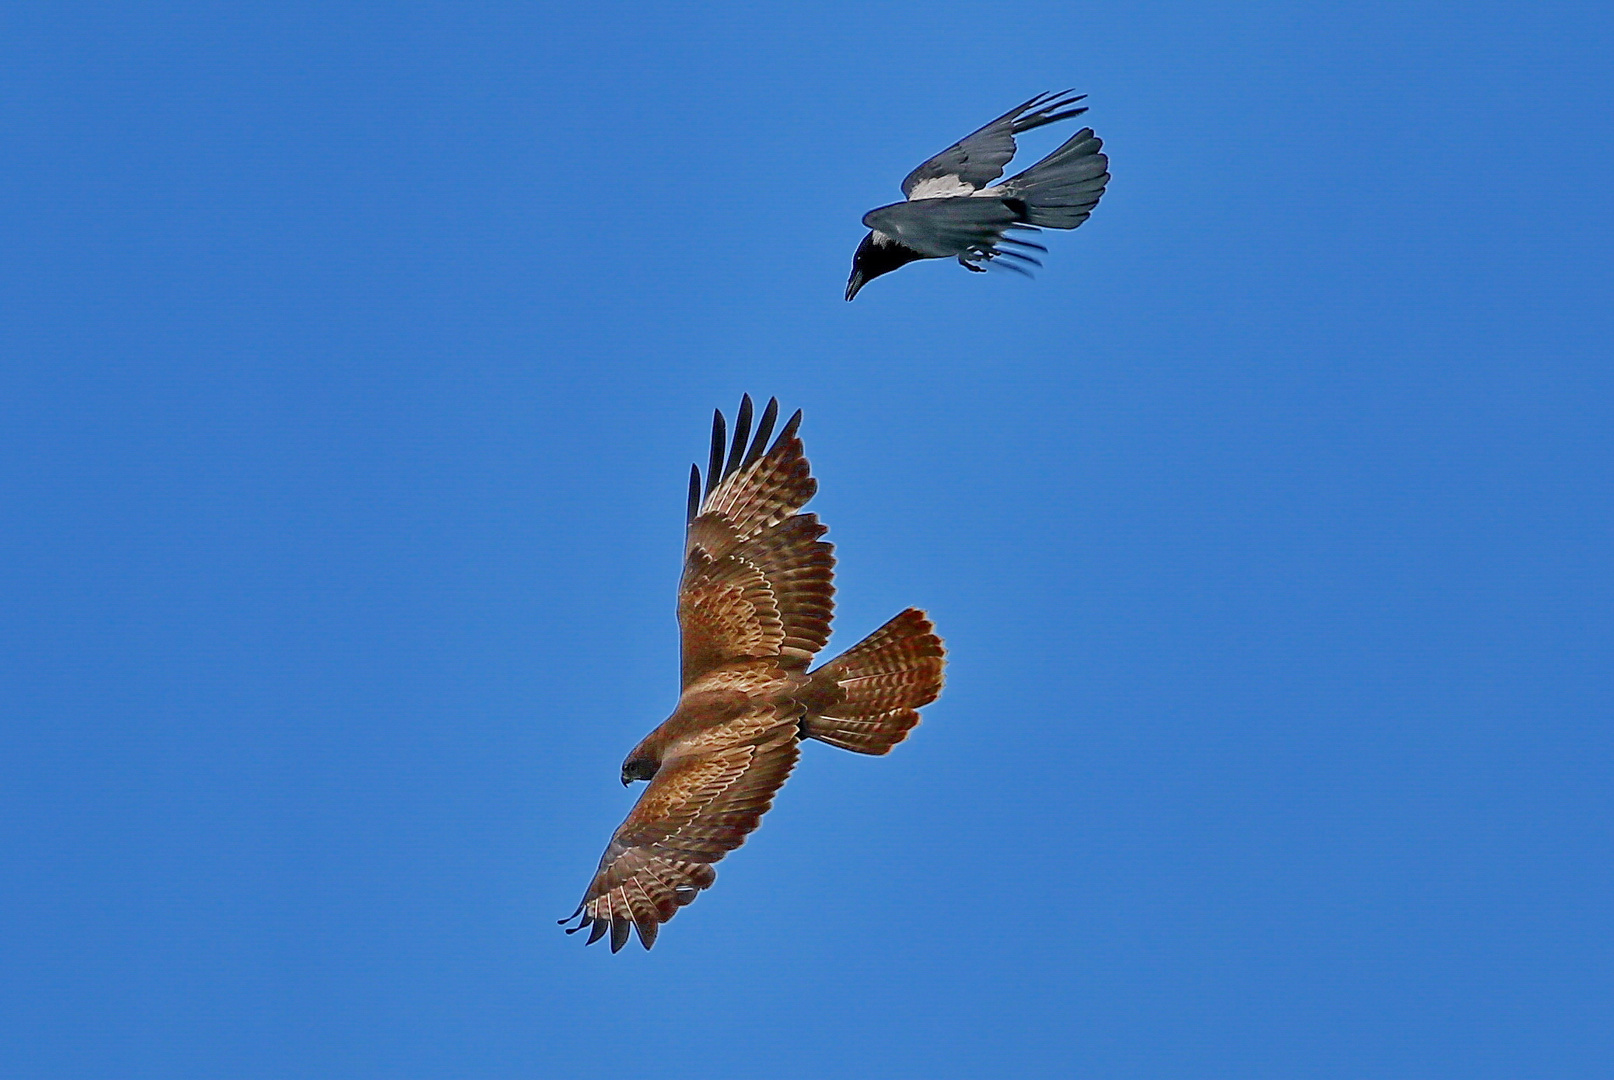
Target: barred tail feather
[[1060, 191], [867, 699]]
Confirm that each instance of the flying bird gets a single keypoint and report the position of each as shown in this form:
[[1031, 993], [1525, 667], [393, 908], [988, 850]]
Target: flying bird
[[754, 607], [953, 210]]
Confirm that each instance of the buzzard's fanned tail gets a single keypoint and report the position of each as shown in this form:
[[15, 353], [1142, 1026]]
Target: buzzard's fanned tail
[[867, 699]]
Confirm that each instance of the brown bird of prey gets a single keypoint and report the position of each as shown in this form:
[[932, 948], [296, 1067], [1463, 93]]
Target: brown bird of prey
[[754, 607]]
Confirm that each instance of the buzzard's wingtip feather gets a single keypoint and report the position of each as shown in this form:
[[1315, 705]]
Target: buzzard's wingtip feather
[[714, 463], [789, 431], [742, 431], [759, 442]]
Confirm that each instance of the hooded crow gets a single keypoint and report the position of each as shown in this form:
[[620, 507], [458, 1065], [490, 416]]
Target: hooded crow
[[953, 213]]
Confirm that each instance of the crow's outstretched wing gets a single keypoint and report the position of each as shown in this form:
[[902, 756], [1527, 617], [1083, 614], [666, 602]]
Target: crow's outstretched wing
[[972, 229], [976, 160]]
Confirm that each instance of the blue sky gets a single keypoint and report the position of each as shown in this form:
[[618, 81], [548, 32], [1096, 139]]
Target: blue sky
[[354, 358]]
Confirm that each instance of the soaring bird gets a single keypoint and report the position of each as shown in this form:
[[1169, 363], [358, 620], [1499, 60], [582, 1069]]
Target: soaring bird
[[952, 212], [754, 607]]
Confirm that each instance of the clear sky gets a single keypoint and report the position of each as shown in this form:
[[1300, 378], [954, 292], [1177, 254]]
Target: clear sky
[[352, 360]]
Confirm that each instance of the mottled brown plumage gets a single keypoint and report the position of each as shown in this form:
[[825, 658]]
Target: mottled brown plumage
[[754, 608]]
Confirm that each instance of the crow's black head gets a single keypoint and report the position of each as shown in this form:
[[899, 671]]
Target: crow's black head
[[877, 254]]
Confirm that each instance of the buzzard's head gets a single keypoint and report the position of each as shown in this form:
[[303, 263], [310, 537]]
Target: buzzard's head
[[638, 768]]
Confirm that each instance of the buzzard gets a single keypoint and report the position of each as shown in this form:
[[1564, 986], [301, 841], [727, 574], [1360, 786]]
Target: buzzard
[[952, 211], [754, 607]]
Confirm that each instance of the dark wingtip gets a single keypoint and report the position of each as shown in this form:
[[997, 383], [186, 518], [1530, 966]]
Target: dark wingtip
[[619, 934], [742, 431], [599, 927], [728, 457], [1006, 253], [788, 432], [1049, 108], [1006, 239], [1036, 102], [569, 918], [714, 463], [759, 442], [1066, 115]]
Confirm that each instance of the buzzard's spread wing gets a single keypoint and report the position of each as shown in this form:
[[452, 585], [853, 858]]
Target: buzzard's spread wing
[[706, 798], [757, 579], [976, 160], [972, 229]]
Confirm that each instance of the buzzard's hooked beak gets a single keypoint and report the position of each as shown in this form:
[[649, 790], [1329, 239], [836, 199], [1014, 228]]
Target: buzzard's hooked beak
[[637, 769]]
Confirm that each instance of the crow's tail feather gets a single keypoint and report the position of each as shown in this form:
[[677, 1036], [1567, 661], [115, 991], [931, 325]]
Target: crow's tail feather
[[1060, 191]]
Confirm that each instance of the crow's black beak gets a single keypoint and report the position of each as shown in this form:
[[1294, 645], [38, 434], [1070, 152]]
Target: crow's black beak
[[855, 283]]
